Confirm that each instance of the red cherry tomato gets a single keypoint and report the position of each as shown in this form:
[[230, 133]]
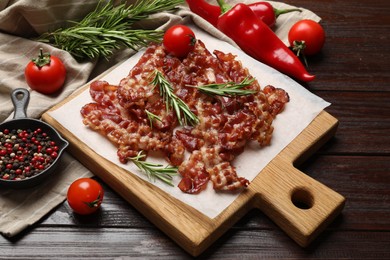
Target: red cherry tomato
[[306, 36], [179, 40], [85, 196], [45, 74]]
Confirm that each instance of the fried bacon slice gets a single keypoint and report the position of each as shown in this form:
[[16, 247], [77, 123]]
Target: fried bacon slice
[[226, 125], [119, 112]]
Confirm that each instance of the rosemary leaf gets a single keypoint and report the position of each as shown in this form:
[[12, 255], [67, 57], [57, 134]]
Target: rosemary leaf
[[184, 114], [152, 117], [228, 89], [153, 171]]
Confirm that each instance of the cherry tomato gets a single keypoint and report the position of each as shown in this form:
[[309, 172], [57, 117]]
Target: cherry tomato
[[306, 36], [85, 196], [45, 74], [179, 40]]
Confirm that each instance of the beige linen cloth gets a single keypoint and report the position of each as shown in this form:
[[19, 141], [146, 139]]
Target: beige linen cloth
[[22, 20]]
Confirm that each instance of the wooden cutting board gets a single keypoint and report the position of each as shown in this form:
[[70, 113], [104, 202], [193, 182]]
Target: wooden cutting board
[[300, 205]]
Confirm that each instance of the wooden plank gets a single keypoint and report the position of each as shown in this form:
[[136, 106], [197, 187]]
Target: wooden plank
[[364, 121], [109, 243]]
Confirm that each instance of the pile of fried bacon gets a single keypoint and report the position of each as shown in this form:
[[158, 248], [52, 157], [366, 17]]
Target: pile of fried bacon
[[225, 123]]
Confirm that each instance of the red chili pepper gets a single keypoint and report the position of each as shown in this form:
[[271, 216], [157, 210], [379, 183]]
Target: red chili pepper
[[263, 10], [205, 10], [256, 39]]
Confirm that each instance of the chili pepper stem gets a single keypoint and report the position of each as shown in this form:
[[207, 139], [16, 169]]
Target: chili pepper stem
[[285, 11], [224, 6]]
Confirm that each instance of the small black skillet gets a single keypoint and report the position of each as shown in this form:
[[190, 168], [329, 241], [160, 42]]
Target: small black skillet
[[20, 98]]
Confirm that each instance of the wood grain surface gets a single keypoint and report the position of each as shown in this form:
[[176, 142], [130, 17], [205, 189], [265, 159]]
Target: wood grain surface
[[353, 73]]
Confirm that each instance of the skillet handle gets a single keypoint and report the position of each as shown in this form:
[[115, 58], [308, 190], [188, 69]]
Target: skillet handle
[[20, 98]]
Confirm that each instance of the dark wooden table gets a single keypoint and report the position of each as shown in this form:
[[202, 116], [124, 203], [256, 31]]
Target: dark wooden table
[[353, 73]]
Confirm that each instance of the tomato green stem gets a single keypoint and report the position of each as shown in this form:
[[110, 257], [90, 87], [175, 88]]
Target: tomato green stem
[[299, 47], [95, 203], [42, 59]]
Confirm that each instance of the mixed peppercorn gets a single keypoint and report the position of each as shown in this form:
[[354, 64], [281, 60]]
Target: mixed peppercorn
[[25, 153]]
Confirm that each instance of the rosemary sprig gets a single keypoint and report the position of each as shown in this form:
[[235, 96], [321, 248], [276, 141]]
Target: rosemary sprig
[[229, 88], [108, 28], [154, 171], [183, 112], [152, 117]]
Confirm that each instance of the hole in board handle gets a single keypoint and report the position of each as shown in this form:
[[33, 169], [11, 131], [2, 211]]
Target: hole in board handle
[[302, 198]]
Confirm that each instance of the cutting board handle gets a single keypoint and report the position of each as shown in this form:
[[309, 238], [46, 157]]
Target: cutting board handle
[[297, 203]]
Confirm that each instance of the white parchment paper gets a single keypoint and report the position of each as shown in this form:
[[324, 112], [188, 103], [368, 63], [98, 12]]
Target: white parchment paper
[[299, 112]]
